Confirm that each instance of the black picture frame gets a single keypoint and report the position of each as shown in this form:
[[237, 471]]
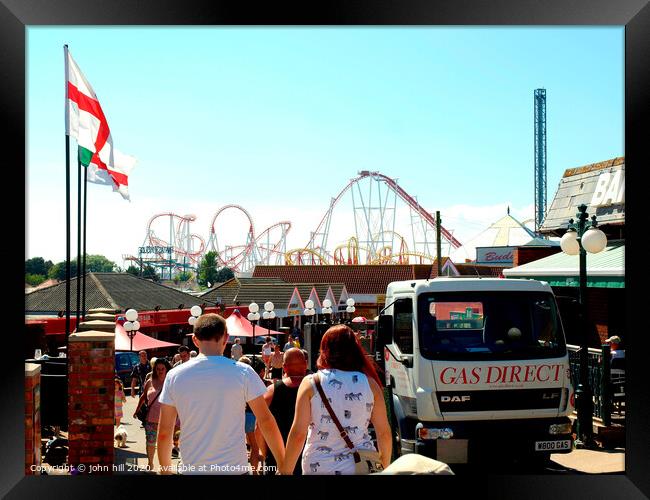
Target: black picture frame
[[16, 15]]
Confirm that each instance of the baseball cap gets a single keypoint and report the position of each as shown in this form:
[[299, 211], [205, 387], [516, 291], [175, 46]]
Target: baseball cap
[[614, 339]]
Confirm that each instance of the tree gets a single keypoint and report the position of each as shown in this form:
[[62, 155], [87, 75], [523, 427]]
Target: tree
[[150, 273], [208, 269], [34, 279], [94, 264], [134, 270], [37, 265], [224, 274]]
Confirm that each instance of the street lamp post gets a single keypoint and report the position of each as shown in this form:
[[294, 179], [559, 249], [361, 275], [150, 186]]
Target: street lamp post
[[350, 308], [253, 317], [580, 238], [195, 312], [268, 315], [132, 325], [327, 310], [309, 310]]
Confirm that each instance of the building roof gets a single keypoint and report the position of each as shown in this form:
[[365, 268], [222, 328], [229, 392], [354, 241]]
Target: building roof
[[358, 279], [506, 232], [578, 186], [111, 290], [226, 293], [604, 270], [470, 270]]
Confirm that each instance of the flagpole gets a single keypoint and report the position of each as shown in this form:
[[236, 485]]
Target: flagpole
[[67, 206], [78, 281], [83, 307]]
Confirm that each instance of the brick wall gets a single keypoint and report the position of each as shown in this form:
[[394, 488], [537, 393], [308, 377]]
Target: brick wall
[[32, 417], [524, 255], [91, 400]]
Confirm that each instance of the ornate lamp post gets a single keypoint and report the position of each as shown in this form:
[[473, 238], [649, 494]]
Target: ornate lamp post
[[580, 238], [327, 310], [309, 310], [269, 315], [132, 325], [253, 317], [350, 309]]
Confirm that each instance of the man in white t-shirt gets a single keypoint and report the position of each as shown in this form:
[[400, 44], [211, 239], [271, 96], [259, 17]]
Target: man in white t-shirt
[[209, 393], [236, 351]]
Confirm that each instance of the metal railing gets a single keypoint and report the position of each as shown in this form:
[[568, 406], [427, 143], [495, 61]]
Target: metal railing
[[599, 378]]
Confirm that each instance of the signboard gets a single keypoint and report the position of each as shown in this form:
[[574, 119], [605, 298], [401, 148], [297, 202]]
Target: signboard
[[610, 189], [154, 249], [294, 312], [495, 255]]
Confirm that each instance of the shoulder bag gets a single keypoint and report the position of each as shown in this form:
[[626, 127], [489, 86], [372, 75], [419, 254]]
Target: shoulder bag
[[365, 461], [144, 408]]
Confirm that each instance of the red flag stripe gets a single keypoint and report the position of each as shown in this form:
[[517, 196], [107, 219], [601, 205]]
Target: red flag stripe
[[91, 106]]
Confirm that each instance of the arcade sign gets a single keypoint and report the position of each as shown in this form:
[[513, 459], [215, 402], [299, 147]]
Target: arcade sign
[[154, 249], [610, 189]]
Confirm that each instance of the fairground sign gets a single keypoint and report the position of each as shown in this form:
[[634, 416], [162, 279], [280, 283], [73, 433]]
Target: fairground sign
[[154, 249]]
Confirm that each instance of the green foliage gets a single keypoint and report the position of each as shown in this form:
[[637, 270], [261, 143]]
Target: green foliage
[[37, 265], [94, 264], [150, 273], [224, 274], [35, 279], [134, 270], [184, 276], [208, 269]]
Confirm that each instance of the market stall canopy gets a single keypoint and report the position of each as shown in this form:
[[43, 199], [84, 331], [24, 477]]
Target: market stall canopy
[[605, 269], [141, 342], [238, 326]]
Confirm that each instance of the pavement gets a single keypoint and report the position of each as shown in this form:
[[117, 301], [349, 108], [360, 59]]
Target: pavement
[[132, 459]]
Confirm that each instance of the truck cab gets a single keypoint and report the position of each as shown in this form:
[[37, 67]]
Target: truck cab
[[476, 367]]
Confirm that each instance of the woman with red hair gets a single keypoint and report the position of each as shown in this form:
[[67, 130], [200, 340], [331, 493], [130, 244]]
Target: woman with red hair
[[353, 389]]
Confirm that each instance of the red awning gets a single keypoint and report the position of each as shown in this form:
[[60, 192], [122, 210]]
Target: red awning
[[141, 342], [238, 326]]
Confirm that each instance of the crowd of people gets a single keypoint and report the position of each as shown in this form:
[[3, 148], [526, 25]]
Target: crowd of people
[[240, 415]]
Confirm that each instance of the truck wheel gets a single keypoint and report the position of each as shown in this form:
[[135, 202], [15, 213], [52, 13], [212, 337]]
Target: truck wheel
[[396, 435]]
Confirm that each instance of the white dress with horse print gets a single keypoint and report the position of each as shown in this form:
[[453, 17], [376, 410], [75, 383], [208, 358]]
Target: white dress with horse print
[[352, 400]]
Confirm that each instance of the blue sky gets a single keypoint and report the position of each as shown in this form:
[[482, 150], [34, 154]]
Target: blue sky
[[279, 119]]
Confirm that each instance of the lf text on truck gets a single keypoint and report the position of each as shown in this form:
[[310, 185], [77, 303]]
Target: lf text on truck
[[476, 368]]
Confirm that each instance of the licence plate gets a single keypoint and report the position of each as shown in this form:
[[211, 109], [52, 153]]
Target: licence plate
[[564, 444]]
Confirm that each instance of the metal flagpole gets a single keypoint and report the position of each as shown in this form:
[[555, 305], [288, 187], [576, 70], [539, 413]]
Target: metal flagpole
[[78, 281], [83, 303], [67, 206]]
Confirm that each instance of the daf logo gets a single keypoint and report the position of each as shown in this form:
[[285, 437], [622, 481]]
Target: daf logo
[[454, 399]]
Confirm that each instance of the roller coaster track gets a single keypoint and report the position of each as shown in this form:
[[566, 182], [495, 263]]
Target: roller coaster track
[[323, 226]]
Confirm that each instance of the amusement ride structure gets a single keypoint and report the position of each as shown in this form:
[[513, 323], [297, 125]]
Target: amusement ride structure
[[390, 227]]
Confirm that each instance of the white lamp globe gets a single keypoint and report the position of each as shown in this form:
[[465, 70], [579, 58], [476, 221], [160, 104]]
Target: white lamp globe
[[253, 307], [569, 243], [268, 306], [191, 320], [265, 315], [309, 304], [349, 309], [594, 240], [131, 314], [196, 311], [251, 316], [327, 303], [272, 315], [353, 308], [350, 301], [256, 316], [128, 326], [136, 325]]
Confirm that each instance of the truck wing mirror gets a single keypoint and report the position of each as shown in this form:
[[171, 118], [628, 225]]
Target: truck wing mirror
[[384, 331], [407, 361]]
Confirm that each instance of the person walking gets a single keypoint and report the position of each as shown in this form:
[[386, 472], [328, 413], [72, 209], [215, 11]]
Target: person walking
[[353, 389], [183, 354], [267, 351], [236, 351], [139, 373], [281, 398], [213, 420], [151, 395], [120, 399], [277, 361]]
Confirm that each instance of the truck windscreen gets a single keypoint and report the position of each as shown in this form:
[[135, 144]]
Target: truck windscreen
[[489, 325]]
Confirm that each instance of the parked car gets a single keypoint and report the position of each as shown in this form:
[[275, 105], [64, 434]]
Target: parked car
[[124, 363]]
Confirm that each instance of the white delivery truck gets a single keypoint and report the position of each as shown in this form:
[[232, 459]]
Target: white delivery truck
[[476, 368]]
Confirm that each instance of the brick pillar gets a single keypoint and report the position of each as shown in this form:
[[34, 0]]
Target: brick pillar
[[32, 417], [91, 400]]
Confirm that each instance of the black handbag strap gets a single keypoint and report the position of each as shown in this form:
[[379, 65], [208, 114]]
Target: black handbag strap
[[148, 405], [342, 431]]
